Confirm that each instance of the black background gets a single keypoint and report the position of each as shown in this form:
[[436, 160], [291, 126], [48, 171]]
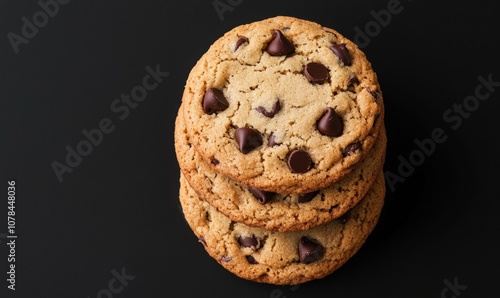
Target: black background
[[119, 207]]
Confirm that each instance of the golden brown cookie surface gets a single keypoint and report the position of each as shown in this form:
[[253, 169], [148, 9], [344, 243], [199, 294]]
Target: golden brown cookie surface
[[273, 211], [283, 105], [282, 258]]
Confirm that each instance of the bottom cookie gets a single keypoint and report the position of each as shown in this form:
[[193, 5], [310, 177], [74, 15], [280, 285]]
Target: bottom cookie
[[282, 258]]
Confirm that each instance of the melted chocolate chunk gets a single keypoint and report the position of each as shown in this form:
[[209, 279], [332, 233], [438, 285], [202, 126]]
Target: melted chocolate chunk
[[240, 41], [251, 260], [271, 142], [275, 109], [248, 139], [280, 45], [352, 148], [251, 242], [299, 161], [202, 240], [307, 197], [262, 196], [226, 259], [310, 250], [341, 51], [330, 123], [214, 101], [316, 73]]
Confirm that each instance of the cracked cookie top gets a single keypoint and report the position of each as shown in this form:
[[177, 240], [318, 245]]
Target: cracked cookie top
[[283, 105]]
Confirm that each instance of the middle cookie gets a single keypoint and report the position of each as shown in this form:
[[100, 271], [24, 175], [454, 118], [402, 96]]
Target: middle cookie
[[273, 211]]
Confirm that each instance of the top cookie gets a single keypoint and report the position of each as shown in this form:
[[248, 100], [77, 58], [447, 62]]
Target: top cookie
[[283, 105]]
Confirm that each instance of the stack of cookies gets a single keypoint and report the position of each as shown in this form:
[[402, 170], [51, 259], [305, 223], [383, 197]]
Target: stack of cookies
[[281, 142]]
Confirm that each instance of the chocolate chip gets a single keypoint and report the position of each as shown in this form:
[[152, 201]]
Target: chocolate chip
[[310, 250], [352, 148], [214, 101], [226, 259], [247, 139], [345, 217], [299, 161], [316, 73], [251, 260], [340, 50], [240, 41], [352, 83], [330, 123], [280, 45], [275, 109], [251, 242], [307, 197], [353, 80], [202, 240], [262, 196], [215, 161], [271, 142]]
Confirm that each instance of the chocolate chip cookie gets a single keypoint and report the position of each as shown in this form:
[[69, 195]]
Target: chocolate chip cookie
[[282, 258], [270, 210], [283, 105]]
